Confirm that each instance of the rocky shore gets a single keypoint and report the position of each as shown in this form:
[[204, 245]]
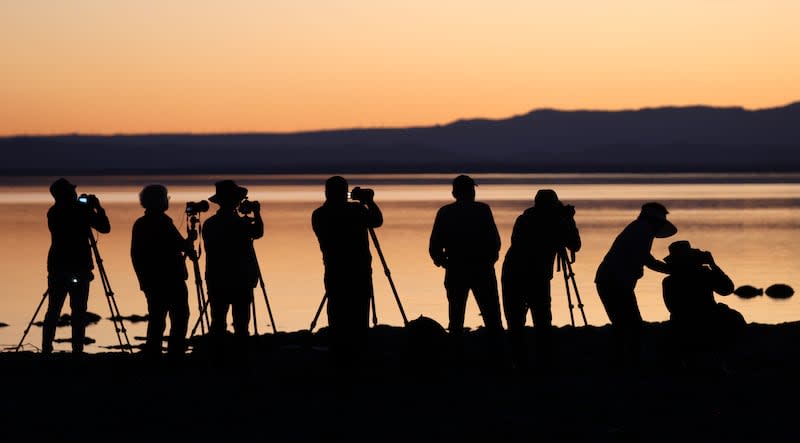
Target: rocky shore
[[283, 387]]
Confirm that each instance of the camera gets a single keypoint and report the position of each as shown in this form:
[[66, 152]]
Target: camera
[[247, 206], [361, 194], [193, 208], [569, 210], [83, 199]]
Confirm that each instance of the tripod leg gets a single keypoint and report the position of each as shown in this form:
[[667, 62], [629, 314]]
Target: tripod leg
[[316, 316], [30, 323], [388, 275], [253, 305], [577, 294], [564, 266], [374, 311], [266, 300], [203, 311]]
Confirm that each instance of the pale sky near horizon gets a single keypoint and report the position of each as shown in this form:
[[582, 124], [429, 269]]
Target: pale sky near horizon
[[201, 66]]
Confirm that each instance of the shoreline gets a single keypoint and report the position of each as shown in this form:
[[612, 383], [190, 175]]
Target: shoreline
[[285, 389]]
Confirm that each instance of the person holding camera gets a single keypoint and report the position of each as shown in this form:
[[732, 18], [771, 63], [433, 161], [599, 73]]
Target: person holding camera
[[342, 229], [618, 273], [465, 242], [69, 260], [231, 264], [158, 253], [701, 326], [540, 233]]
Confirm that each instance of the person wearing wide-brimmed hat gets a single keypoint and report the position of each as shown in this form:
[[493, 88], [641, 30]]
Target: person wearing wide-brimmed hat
[[540, 233], [231, 264], [69, 261], [701, 326], [621, 268]]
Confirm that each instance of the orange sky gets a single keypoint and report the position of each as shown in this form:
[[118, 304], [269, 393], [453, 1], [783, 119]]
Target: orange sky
[[99, 66]]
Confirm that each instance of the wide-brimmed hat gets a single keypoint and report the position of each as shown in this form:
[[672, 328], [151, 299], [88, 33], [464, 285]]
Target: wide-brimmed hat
[[681, 253], [658, 213], [61, 186], [228, 192]]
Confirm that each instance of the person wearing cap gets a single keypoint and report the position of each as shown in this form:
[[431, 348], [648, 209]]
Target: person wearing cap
[[701, 326], [540, 233], [158, 254], [619, 271], [465, 242], [231, 264], [342, 229], [69, 260]]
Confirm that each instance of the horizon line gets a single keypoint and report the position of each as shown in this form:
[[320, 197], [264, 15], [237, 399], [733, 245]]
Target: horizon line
[[378, 128]]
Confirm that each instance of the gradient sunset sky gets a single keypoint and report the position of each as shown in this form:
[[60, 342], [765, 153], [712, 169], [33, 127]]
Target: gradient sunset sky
[[100, 66]]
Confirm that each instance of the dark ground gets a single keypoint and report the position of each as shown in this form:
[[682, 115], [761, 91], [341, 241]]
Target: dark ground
[[284, 389]]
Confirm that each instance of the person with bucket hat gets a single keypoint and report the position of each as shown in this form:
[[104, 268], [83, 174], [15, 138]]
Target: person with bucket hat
[[540, 233], [69, 260], [619, 271], [231, 264], [701, 327], [464, 241]]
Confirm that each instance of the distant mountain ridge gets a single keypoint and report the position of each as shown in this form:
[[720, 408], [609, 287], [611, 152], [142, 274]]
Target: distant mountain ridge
[[665, 139]]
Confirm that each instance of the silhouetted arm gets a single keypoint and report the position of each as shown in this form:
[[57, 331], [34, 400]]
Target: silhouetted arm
[[656, 264], [722, 284], [495, 235], [436, 243], [374, 214], [98, 218], [256, 223]]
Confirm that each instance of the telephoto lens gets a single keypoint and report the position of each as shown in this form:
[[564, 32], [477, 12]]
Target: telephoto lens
[[196, 207], [247, 206]]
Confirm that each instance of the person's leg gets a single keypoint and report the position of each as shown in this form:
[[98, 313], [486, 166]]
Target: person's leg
[[219, 305], [457, 289], [540, 302], [56, 294], [515, 311], [78, 301], [484, 288], [178, 319], [240, 309], [156, 320]]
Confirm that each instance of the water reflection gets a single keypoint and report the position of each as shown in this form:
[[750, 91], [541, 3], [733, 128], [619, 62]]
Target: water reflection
[[750, 225]]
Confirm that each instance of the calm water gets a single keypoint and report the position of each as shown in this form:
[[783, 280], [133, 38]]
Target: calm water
[[749, 222]]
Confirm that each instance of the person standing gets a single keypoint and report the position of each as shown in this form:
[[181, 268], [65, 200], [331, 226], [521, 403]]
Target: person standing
[[342, 229], [618, 273], [465, 242], [69, 260], [231, 264], [540, 233], [158, 253]]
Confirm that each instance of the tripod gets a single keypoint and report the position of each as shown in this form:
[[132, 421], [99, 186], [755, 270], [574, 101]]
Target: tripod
[[116, 317], [564, 264], [386, 271], [193, 221], [205, 303]]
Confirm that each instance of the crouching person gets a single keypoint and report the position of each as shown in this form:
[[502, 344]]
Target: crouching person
[[704, 330], [159, 252]]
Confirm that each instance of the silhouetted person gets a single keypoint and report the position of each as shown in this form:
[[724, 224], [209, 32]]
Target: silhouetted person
[[622, 266], [231, 264], [701, 326], [342, 229], [540, 233], [464, 240], [158, 253], [69, 261]]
